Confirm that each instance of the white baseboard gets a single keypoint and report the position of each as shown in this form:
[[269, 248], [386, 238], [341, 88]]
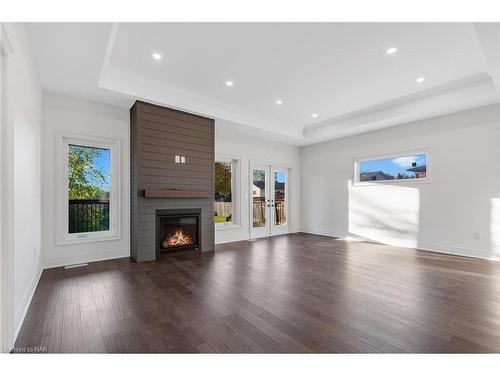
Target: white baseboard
[[424, 246], [455, 250], [327, 233], [232, 239], [240, 236], [21, 311], [85, 258]]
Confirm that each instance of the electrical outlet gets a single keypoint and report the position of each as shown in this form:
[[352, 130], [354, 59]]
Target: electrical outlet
[[478, 235]]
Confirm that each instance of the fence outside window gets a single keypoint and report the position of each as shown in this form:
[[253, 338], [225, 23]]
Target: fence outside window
[[88, 215]]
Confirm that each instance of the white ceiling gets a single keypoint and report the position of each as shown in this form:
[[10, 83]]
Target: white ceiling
[[69, 58], [337, 70]]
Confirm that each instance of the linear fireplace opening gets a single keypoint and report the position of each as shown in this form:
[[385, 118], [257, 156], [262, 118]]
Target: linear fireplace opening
[[177, 230]]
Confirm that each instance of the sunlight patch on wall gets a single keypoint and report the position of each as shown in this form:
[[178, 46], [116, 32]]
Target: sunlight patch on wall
[[385, 213], [495, 227]]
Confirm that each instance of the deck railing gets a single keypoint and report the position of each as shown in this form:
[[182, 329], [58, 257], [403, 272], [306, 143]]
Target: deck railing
[[88, 215], [259, 207], [280, 212]]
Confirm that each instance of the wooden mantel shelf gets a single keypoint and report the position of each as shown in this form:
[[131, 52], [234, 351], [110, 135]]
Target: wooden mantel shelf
[[176, 193]]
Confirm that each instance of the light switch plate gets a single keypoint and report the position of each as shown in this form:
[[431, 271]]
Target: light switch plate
[[177, 159]]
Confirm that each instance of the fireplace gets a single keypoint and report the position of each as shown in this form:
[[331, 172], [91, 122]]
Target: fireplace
[[177, 230], [172, 182]]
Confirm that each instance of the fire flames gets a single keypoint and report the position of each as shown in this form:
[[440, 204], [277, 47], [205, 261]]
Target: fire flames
[[179, 238]]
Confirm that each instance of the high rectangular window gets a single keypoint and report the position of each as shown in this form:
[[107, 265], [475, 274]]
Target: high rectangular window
[[397, 168]]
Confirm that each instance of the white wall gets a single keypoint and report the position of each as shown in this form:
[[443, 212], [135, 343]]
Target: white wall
[[461, 200], [69, 114], [236, 140], [24, 96], [65, 113]]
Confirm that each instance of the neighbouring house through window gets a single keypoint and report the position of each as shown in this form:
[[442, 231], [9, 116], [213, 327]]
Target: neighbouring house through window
[[395, 168]]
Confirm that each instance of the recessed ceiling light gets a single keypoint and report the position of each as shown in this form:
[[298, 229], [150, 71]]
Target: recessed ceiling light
[[229, 83], [314, 115], [156, 56], [420, 79], [279, 101], [391, 50]]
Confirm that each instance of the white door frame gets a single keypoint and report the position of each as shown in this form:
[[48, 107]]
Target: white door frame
[[6, 199], [270, 229]]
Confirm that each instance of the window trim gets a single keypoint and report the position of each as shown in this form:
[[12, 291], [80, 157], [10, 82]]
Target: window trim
[[63, 237], [235, 191], [427, 179]]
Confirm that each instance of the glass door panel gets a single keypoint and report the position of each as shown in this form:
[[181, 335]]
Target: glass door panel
[[259, 197], [260, 204], [279, 200], [269, 208]]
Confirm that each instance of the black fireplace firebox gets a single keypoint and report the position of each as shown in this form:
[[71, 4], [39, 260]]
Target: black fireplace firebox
[[177, 231]]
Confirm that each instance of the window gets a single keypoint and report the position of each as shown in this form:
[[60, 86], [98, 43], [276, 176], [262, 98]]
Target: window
[[225, 196], [88, 189], [395, 168]]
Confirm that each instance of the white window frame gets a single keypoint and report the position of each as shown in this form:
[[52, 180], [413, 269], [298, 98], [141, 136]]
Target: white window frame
[[235, 190], [63, 236], [427, 179]]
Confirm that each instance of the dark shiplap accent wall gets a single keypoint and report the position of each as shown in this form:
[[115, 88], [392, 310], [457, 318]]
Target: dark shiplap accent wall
[[157, 134]]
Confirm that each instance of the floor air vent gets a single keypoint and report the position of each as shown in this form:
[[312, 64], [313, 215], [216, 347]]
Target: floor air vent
[[76, 266]]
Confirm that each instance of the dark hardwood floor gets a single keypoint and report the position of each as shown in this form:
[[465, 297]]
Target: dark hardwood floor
[[293, 293]]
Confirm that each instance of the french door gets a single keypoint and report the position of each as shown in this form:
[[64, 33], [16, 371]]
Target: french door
[[269, 200]]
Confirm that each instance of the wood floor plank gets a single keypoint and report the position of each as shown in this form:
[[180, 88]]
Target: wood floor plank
[[296, 293]]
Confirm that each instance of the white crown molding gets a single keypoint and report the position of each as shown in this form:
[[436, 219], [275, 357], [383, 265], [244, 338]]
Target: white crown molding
[[463, 94], [488, 36], [179, 98], [466, 93], [18, 43]]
